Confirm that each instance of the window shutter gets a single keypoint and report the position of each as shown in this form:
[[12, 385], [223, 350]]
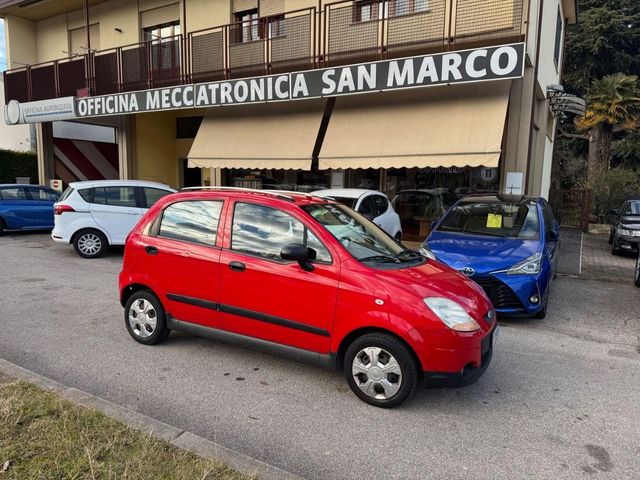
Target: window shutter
[[94, 35], [271, 7], [78, 39], [160, 15], [243, 5]]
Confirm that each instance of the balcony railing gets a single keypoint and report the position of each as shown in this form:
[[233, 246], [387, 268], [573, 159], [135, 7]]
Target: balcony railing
[[343, 32]]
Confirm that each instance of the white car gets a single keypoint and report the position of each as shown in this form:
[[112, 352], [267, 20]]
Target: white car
[[95, 214], [369, 203]]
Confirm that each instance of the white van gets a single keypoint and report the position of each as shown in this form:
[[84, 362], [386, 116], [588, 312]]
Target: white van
[[93, 215]]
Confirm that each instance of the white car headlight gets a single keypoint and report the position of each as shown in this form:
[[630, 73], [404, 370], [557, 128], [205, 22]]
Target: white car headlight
[[528, 266], [628, 233], [452, 314], [425, 251]]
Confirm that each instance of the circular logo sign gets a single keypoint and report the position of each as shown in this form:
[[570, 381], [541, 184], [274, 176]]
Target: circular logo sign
[[13, 112]]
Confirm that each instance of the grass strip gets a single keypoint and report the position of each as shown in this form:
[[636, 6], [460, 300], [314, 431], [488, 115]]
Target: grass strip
[[44, 436]]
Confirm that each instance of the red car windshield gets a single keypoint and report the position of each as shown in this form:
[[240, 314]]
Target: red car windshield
[[360, 237]]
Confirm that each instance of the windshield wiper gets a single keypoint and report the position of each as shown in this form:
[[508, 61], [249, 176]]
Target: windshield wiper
[[380, 258], [407, 251], [488, 234]]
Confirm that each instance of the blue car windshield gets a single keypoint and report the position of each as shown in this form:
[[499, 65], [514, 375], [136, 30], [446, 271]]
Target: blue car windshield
[[495, 219]]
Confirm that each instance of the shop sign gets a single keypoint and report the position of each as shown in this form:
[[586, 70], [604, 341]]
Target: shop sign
[[465, 66], [40, 111]]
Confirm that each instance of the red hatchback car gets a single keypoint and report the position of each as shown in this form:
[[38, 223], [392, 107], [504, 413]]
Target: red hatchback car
[[308, 278]]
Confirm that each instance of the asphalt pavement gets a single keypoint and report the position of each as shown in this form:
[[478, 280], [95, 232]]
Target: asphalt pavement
[[560, 399]]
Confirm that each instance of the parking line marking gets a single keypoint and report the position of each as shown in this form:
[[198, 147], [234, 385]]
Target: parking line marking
[[580, 263]]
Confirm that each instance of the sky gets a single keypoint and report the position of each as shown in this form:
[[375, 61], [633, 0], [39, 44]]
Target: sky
[[3, 48]]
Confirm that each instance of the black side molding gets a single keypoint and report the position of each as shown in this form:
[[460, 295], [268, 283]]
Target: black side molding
[[297, 354], [198, 302], [243, 312]]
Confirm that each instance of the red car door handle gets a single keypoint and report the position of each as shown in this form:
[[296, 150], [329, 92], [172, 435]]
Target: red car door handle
[[151, 250], [237, 266]]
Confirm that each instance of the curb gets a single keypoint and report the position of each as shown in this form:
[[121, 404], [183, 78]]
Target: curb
[[175, 436]]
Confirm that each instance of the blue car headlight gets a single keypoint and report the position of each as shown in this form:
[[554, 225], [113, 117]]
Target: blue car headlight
[[529, 266]]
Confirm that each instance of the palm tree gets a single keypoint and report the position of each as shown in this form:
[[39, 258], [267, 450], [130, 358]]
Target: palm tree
[[613, 105]]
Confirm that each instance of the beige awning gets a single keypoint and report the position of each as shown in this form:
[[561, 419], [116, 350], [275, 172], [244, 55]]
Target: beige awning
[[446, 126], [277, 135]]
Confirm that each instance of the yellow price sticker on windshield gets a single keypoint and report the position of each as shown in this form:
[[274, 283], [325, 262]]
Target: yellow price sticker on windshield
[[494, 220]]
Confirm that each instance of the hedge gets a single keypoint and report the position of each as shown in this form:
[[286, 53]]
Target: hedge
[[18, 164]]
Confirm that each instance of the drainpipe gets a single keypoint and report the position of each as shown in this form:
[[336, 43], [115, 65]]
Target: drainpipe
[[86, 19]]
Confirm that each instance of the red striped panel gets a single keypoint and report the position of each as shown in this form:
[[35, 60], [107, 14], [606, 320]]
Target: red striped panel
[[82, 163], [110, 152], [63, 173]]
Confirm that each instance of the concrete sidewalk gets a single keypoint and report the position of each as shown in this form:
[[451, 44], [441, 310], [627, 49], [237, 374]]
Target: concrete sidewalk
[[570, 260], [588, 255], [598, 263]]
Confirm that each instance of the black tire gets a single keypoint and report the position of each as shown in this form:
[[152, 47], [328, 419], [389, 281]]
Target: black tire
[[614, 248], [2, 226], [636, 276], [542, 313], [389, 345], [137, 330], [83, 236]]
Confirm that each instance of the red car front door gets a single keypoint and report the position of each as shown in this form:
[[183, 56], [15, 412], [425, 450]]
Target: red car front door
[[262, 295]]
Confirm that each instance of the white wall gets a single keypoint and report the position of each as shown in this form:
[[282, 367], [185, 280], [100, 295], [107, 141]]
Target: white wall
[[546, 168], [13, 137], [548, 71]]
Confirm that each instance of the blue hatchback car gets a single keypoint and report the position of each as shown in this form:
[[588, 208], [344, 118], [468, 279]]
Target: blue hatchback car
[[508, 245], [26, 207]]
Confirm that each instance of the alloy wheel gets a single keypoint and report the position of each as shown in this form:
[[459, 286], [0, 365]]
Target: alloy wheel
[[143, 318], [89, 244], [377, 373]]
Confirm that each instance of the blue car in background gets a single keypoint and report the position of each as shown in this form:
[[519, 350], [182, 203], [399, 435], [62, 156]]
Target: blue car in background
[[508, 245], [26, 207]]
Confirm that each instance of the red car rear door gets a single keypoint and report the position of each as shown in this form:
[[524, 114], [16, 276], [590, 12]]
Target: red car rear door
[[182, 260]]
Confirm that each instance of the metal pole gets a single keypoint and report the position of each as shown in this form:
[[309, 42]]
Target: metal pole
[[86, 18], [87, 54]]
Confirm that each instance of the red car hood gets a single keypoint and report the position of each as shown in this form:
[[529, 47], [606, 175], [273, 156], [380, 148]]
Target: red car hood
[[435, 279]]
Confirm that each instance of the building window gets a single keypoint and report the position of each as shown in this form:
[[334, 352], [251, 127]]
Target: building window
[[161, 33], [405, 7], [276, 26], [368, 10], [248, 26], [558, 43], [187, 127]]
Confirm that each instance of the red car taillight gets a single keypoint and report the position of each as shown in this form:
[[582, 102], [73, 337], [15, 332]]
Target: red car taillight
[[60, 209]]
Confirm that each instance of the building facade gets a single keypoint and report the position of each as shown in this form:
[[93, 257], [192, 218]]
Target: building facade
[[298, 94]]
